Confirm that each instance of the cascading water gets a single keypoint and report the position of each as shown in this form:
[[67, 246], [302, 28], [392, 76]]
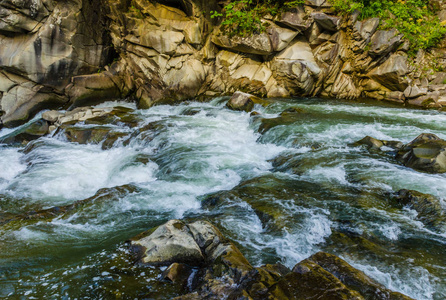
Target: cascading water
[[281, 195]]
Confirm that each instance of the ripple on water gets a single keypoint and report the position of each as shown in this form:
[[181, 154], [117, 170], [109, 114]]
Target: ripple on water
[[323, 190]]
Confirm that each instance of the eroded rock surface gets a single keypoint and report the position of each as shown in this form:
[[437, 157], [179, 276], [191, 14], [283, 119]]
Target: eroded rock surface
[[199, 254], [426, 153], [166, 51]]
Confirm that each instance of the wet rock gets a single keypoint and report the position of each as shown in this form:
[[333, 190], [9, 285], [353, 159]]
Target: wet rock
[[310, 281], [111, 138], [169, 243], [177, 273], [375, 144], [288, 116], [370, 143], [93, 89], [48, 214], [86, 135], [242, 101], [429, 208], [426, 153], [352, 278], [28, 133]]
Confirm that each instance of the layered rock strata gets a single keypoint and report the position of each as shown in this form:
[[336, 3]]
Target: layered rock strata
[[167, 51]]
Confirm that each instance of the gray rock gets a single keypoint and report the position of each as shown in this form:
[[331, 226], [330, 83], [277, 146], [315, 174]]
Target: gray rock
[[327, 22], [280, 37], [385, 41], [170, 243], [93, 89], [414, 91], [253, 44], [391, 73], [296, 19], [363, 30], [52, 115], [426, 153], [241, 101]]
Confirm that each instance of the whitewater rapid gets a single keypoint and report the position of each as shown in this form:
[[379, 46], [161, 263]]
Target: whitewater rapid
[[324, 189]]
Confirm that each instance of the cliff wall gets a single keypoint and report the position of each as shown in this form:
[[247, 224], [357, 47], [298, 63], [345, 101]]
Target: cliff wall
[[81, 52]]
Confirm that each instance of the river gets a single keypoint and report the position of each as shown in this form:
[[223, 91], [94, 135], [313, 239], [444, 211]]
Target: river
[[282, 193]]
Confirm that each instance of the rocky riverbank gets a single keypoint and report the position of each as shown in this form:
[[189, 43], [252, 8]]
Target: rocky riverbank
[[203, 264], [57, 55]]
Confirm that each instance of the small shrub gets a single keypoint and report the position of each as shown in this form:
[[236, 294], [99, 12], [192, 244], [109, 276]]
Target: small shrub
[[243, 17], [413, 18]]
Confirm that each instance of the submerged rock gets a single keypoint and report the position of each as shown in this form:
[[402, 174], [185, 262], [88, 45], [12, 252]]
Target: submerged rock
[[426, 153], [375, 144], [242, 101], [429, 208], [352, 278], [28, 133], [288, 116]]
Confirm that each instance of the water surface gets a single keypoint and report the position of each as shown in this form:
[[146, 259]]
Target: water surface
[[283, 195]]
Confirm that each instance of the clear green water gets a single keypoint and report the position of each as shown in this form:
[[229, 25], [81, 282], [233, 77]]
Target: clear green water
[[281, 196]]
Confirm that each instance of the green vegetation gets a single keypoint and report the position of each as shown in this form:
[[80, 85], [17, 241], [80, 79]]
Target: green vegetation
[[242, 17], [413, 18]]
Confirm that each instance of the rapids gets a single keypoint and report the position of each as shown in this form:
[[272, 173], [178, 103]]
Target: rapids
[[281, 195]]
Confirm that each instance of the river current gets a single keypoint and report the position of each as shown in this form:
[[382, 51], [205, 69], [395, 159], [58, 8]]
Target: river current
[[280, 194]]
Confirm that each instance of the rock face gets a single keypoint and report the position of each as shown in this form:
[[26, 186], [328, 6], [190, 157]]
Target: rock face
[[165, 51], [48, 43], [199, 254], [426, 153]]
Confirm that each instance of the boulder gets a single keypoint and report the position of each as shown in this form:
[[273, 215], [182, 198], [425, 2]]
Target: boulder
[[296, 19], [252, 44], [327, 22], [391, 73], [24, 100], [93, 89], [86, 135], [169, 243], [374, 144], [363, 30], [429, 100], [242, 101], [428, 208], [384, 42], [414, 91], [280, 37], [196, 244], [426, 153]]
